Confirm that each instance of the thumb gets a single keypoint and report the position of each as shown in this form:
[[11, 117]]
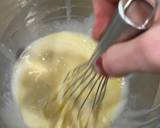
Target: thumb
[[139, 54]]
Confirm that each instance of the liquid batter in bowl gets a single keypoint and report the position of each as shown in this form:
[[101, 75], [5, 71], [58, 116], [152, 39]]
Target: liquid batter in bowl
[[37, 83]]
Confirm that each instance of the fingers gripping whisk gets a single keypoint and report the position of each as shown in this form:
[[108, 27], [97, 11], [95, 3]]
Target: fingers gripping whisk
[[84, 88]]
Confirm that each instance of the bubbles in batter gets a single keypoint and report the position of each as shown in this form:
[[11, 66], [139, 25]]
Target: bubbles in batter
[[37, 81]]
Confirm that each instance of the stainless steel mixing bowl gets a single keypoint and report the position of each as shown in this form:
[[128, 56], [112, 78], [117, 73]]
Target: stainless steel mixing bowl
[[22, 21]]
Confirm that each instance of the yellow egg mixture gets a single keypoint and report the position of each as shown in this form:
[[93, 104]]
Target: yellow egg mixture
[[37, 82]]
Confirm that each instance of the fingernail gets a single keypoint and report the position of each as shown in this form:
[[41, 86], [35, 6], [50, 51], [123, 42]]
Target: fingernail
[[99, 66]]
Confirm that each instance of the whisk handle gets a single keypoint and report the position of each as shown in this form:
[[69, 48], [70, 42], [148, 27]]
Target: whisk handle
[[123, 27]]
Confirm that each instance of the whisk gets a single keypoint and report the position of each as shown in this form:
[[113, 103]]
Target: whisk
[[83, 85]]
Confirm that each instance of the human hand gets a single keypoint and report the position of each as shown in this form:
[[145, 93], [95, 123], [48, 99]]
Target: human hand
[[141, 54]]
